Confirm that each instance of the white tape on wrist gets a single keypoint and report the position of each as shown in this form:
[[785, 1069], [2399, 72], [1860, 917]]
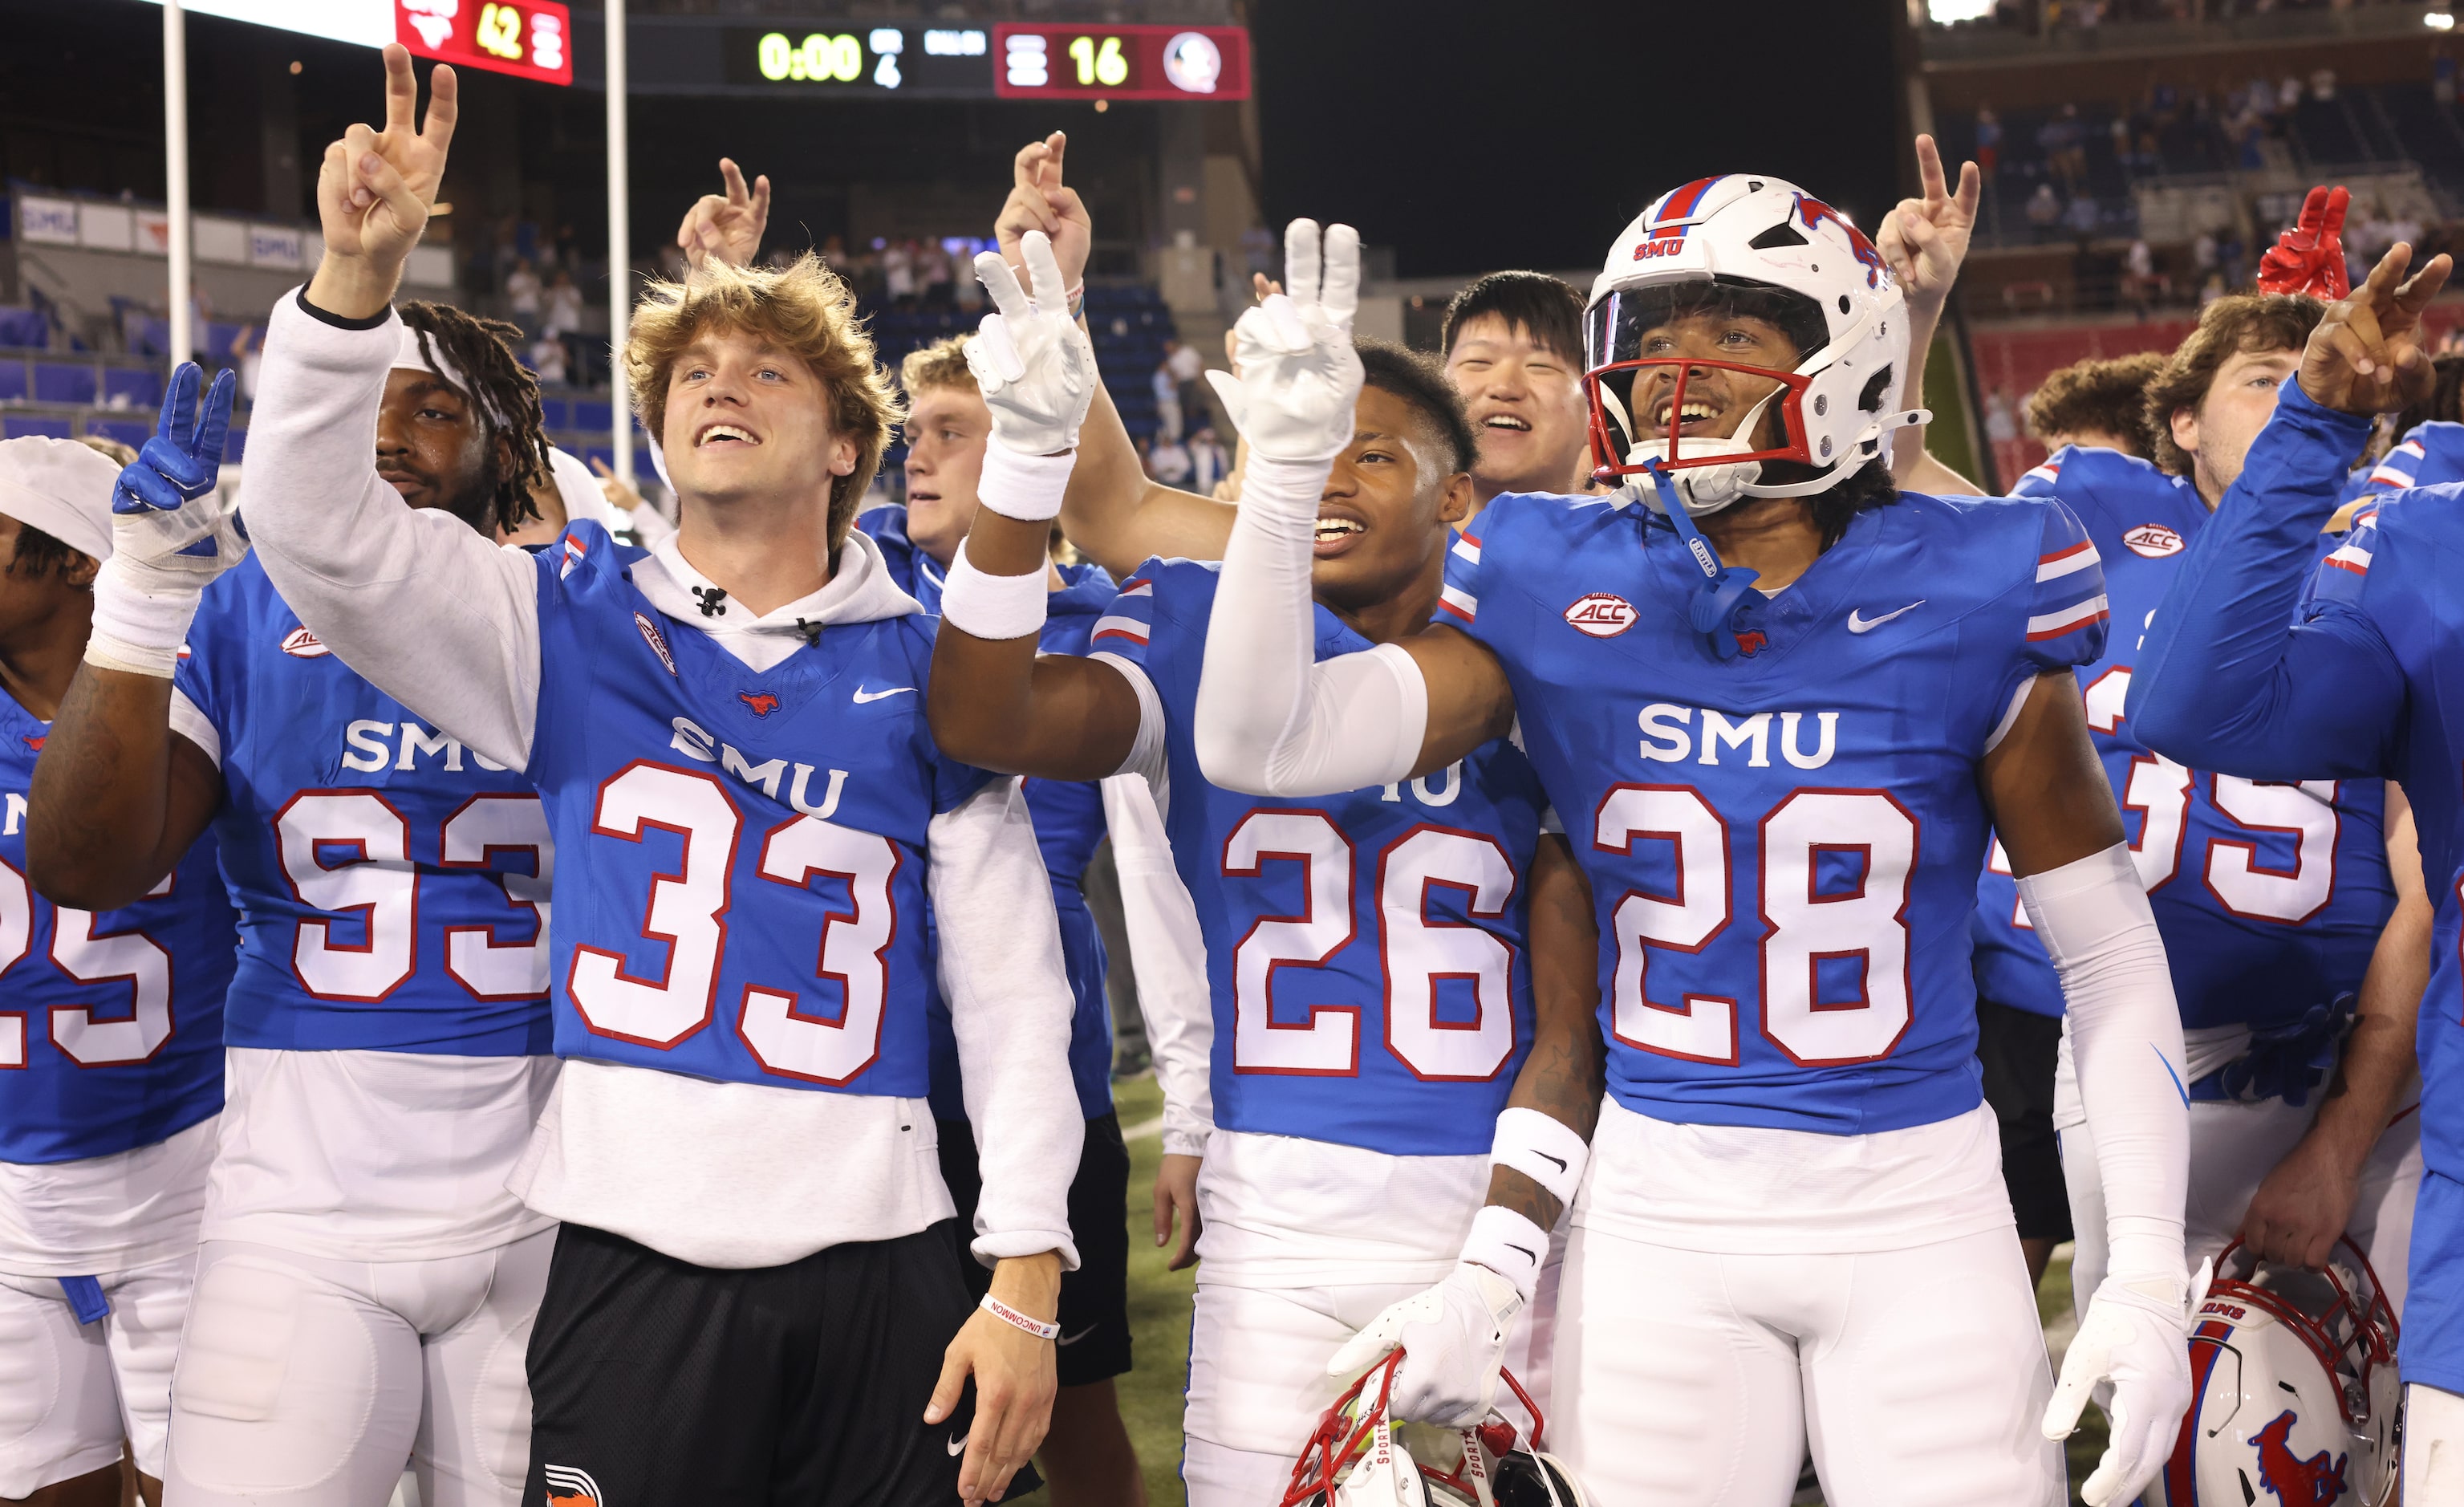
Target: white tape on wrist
[[1027, 488], [1510, 1245], [1542, 1148], [992, 606], [1016, 1319], [137, 631]]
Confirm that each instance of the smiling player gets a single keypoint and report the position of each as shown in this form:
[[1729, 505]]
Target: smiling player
[[1794, 1229]]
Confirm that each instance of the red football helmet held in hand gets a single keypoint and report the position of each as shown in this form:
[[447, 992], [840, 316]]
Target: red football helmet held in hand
[[2310, 258]]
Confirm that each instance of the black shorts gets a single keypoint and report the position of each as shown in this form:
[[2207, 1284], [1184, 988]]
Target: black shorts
[[1094, 1342], [655, 1382], [2016, 1048]]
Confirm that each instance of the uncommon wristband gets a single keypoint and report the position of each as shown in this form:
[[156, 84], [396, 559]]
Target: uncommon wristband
[[1544, 1150], [1016, 1319], [990, 606], [1027, 488]]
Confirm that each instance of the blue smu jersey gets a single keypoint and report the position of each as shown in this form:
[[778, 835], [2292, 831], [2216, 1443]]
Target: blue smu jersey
[[2270, 897], [2428, 455], [2399, 569], [111, 1022], [1068, 827], [391, 884], [1782, 845], [1365, 951], [743, 892]]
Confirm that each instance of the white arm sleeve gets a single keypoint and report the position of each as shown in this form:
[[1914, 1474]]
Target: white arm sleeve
[[1168, 959], [1273, 719], [431, 612], [1010, 1008], [2093, 919]]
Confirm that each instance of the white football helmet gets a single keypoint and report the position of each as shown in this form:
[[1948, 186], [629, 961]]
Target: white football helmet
[[1770, 249], [2294, 1400], [1357, 1457]]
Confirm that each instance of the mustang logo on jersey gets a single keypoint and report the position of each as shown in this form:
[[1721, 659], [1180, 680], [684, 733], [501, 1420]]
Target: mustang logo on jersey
[[2294, 1481], [2155, 540], [301, 644], [1602, 615], [762, 703]]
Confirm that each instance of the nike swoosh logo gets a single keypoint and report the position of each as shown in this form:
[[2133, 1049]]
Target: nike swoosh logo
[[1074, 1338], [2170, 1074], [1543, 1154], [1859, 624], [1529, 1255], [862, 696], [959, 1445]]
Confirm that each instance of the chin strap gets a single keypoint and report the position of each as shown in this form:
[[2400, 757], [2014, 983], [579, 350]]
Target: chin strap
[[1721, 598]]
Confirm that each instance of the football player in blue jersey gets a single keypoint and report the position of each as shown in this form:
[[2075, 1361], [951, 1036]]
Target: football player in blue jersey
[[1778, 705], [1087, 1457], [112, 1036], [387, 1023], [752, 1295], [2274, 899], [1378, 1062], [2359, 681]]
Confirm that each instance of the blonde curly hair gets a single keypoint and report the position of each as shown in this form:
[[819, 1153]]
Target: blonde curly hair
[[803, 308]]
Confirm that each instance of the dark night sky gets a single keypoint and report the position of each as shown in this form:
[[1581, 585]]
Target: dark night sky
[[1471, 134]]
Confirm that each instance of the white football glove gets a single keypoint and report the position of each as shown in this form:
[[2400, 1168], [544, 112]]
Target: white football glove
[[1453, 1338], [2141, 1343], [171, 535], [1034, 365], [1300, 378]]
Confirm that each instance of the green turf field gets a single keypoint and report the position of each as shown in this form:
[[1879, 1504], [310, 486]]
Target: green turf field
[[1159, 1321]]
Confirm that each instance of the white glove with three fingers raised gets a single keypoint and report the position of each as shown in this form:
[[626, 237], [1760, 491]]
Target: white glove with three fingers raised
[[1299, 375], [1033, 364]]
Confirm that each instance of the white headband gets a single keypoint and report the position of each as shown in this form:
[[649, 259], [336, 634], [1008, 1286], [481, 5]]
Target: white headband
[[60, 487]]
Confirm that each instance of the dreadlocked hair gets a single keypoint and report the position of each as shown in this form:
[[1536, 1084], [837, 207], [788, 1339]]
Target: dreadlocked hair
[[39, 555], [507, 402]]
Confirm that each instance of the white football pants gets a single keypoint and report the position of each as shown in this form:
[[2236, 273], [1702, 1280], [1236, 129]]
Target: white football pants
[[1258, 1382], [1918, 1376], [70, 1392], [306, 1382], [2234, 1146], [2434, 1445]]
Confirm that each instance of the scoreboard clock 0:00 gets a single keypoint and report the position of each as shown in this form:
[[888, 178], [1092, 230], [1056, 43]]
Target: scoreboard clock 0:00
[[1120, 62]]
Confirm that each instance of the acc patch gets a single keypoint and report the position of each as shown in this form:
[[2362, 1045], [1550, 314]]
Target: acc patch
[[301, 644], [657, 641], [2155, 540], [1602, 615]]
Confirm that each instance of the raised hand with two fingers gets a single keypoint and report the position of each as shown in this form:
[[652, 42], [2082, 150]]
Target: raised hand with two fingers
[[2310, 256], [726, 227], [171, 535], [375, 188], [2371, 354], [1923, 240], [1300, 378], [1034, 366]]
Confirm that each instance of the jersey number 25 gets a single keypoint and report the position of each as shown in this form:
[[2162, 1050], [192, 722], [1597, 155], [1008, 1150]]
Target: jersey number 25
[[127, 961]]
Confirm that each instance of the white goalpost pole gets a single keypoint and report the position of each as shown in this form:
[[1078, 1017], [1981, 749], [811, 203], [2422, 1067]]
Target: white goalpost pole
[[619, 282], [175, 139]]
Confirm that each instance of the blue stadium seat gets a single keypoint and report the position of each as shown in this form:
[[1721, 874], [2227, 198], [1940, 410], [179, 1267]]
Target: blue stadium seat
[[17, 426], [128, 432], [58, 382], [591, 414], [15, 388], [24, 327], [556, 412], [142, 386], [235, 446]]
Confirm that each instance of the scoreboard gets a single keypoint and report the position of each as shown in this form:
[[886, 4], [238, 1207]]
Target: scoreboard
[[1000, 61], [530, 39]]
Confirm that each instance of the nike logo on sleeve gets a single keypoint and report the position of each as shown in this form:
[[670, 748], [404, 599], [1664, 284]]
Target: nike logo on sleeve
[[863, 697]]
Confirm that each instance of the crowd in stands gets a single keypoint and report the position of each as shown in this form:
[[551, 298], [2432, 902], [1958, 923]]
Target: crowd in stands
[[2043, 16]]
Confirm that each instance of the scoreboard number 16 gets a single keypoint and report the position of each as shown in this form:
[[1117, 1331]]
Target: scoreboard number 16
[[1106, 67]]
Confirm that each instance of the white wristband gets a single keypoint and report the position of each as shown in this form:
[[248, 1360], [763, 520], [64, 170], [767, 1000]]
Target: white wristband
[[1544, 1150], [137, 631], [1016, 1319], [1510, 1245], [1024, 487], [992, 606]]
